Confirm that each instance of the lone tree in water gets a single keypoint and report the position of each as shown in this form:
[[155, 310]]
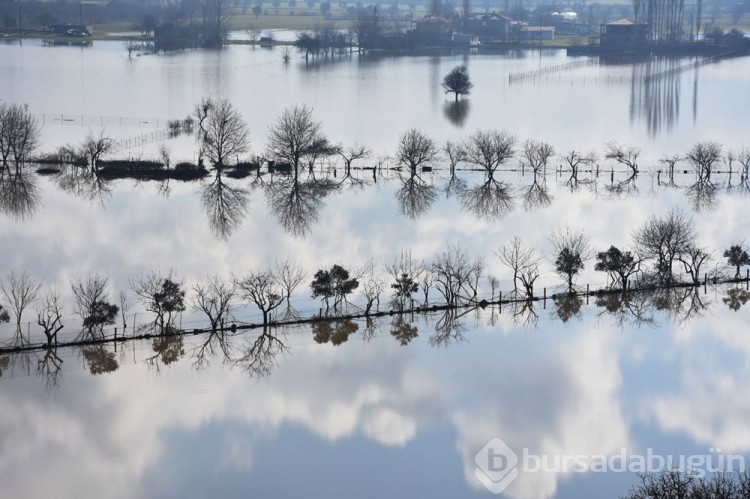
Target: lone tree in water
[[737, 257], [457, 82]]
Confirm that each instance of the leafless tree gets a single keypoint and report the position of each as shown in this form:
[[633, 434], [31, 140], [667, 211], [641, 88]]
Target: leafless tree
[[214, 297], [49, 315], [489, 149], [296, 136], [263, 289], [693, 260], [406, 272], [664, 240], [372, 287], [536, 154], [289, 275], [95, 147], [163, 295], [352, 154], [19, 134], [518, 257], [415, 150], [456, 275], [576, 159], [224, 133], [624, 155], [670, 162], [20, 290], [571, 249], [93, 289], [125, 306], [258, 357], [455, 154], [702, 157]]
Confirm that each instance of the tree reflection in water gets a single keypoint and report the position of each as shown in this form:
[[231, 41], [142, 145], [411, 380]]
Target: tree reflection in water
[[225, 205], [296, 204], [703, 196], [736, 298], [19, 194], [568, 307], [99, 359], [49, 367], [217, 344], [536, 195], [258, 357], [334, 332], [457, 111], [449, 327], [490, 201], [415, 196], [168, 349], [404, 331], [83, 183]]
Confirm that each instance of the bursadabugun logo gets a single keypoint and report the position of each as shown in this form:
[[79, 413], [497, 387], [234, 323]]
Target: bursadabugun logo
[[496, 465]]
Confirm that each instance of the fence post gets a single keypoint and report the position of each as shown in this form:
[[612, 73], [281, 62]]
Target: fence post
[[500, 301]]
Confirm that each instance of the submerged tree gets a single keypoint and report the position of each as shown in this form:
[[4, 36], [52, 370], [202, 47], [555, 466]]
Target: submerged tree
[[624, 155], [456, 275], [457, 82], [163, 296], [489, 149], [19, 134], [262, 288], [19, 290], [214, 297], [523, 261], [663, 240], [223, 131], [95, 147], [737, 257], [335, 283], [49, 315], [415, 150], [703, 156], [571, 250], [296, 136], [619, 265], [406, 272]]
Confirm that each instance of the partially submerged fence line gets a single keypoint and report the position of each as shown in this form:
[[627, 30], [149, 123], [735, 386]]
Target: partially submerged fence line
[[474, 304]]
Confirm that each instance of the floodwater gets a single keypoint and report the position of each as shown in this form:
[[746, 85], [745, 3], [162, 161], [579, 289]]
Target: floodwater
[[392, 410]]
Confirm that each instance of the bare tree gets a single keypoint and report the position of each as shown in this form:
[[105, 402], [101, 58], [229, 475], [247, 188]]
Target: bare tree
[[289, 275], [262, 288], [94, 147], [406, 272], [125, 306], [372, 287], [664, 240], [49, 315], [19, 134], [702, 157], [624, 155], [536, 155], [455, 154], [670, 162], [571, 249], [214, 297], [692, 261], [576, 159], [161, 294], [224, 133], [489, 149], [91, 295], [20, 290], [456, 275], [415, 150], [296, 136], [351, 154], [518, 257], [457, 82]]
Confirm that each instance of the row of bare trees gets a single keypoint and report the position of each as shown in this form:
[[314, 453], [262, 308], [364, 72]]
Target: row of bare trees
[[661, 248]]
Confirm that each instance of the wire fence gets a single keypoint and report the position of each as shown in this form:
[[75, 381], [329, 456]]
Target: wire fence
[[86, 120]]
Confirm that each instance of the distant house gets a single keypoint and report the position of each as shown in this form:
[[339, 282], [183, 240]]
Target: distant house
[[623, 34], [488, 25], [72, 30], [432, 29], [537, 33]]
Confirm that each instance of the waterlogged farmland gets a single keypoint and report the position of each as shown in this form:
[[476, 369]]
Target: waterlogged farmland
[[396, 404]]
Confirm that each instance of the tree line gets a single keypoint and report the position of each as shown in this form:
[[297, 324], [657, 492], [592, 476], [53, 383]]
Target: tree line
[[662, 248]]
